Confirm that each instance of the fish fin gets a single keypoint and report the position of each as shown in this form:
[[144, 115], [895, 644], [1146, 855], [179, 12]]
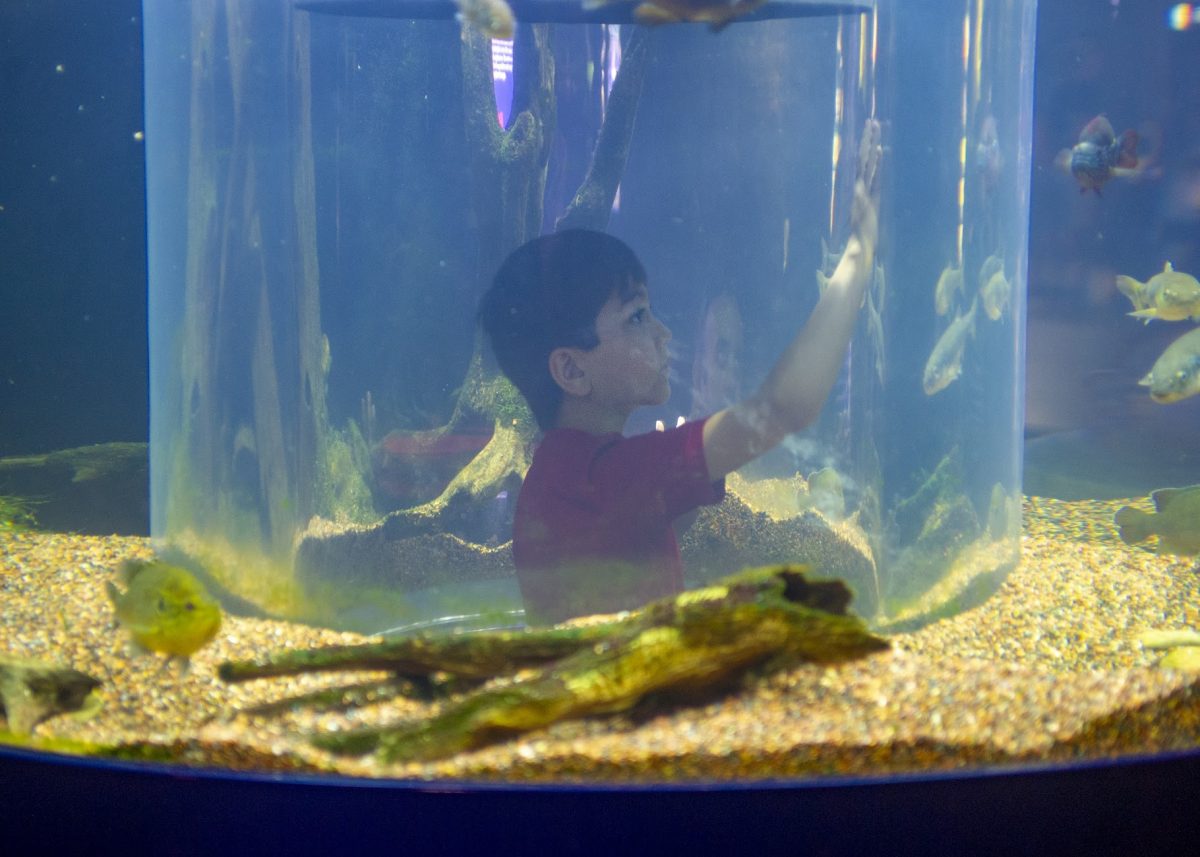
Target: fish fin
[[134, 649], [652, 14], [1185, 546], [1099, 130], [1127, 157], [1144, 314], [114, 594], [1163, 496], [1132, 289], [131, 568], [1133, 525], [1063, 160], [1147, 380]]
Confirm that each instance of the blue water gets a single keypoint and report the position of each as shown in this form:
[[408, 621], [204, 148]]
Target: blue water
[[727, 191]]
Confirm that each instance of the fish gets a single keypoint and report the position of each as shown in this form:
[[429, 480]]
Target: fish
[[1176, 521], [1175, 375], [949, 284], [1156, 639], [1100, 155], [945, 361], [829, 263], [1170, 295], [716, 13], [829, 258], [717, 362], [826, 492], [493, 18], [165, 608], [822, 281], [989, 160], [875, 331], [995, 292]]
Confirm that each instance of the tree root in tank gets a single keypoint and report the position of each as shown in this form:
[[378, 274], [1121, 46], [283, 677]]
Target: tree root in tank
[[592, 204], [499, 466], [509, 169], [690, 644]]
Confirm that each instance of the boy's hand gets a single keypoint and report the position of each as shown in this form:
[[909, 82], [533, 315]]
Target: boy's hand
[[864, 214]]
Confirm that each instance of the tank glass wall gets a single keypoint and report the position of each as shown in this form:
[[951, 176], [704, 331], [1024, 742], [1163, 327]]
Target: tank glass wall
[[330, 194]]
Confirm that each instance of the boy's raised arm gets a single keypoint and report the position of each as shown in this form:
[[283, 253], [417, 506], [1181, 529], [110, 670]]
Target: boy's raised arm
[[796, 388]]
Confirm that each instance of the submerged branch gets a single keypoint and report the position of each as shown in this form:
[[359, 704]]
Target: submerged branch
[[592, 204], [694, 642], [481, 654]]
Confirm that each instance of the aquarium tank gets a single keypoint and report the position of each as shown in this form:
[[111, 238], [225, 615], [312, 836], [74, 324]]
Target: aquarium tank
[[331, 436], [946, 570]]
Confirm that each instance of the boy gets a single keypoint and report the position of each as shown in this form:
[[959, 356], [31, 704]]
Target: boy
[[569, 319]]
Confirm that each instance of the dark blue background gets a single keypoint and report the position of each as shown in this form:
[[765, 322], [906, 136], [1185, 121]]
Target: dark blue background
[[72, 225]]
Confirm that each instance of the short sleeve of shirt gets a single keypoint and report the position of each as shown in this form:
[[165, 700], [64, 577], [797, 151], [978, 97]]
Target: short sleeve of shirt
[[651, 479]]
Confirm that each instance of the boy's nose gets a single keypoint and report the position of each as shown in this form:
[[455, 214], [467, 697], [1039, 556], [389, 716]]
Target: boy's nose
[[664, 332]]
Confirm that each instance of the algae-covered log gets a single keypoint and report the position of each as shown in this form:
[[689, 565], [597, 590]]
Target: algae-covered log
[[481, 654], [695, 641], [31, 691]]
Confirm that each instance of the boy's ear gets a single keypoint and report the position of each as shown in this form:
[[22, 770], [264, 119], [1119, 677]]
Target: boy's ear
[[567, 373]]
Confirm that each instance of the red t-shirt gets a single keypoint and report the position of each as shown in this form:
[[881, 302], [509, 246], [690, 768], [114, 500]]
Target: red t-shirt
[[592, 531]]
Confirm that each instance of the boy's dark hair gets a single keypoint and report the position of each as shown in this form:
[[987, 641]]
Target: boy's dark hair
[[547, 295]]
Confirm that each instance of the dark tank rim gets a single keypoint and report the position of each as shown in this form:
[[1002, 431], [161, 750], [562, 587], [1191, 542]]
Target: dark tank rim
[[562, 11], [1133, 804]]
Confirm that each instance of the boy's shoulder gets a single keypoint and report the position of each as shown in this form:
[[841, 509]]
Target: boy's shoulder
[[568, 453]]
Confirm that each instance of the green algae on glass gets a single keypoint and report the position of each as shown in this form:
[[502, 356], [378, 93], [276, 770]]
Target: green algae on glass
[[690, 644]]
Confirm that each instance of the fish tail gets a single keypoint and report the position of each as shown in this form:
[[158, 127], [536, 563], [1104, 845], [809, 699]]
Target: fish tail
[[1127, 153], [1133, 525]]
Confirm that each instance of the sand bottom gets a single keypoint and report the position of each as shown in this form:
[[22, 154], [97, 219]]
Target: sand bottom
[[1050, 668]]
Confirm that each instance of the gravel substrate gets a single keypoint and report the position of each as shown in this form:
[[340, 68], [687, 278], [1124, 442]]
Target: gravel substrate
[[1048, 668]]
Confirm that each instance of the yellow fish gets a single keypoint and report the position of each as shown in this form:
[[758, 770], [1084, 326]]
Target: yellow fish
[[1169, 295], [715, 13], [1175, 374], [493, 18], [1176, 521], [165, 608]]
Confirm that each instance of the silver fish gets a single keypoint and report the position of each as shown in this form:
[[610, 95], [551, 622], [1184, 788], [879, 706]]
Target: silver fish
[[949, 285], [995, 291], [945, 361], [875, 331]]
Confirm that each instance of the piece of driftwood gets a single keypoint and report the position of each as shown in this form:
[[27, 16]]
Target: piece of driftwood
[[31, 691], [690, 643], [482, 654]]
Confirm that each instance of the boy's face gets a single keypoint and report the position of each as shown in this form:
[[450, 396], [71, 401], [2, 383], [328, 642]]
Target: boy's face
[[630, 366]]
